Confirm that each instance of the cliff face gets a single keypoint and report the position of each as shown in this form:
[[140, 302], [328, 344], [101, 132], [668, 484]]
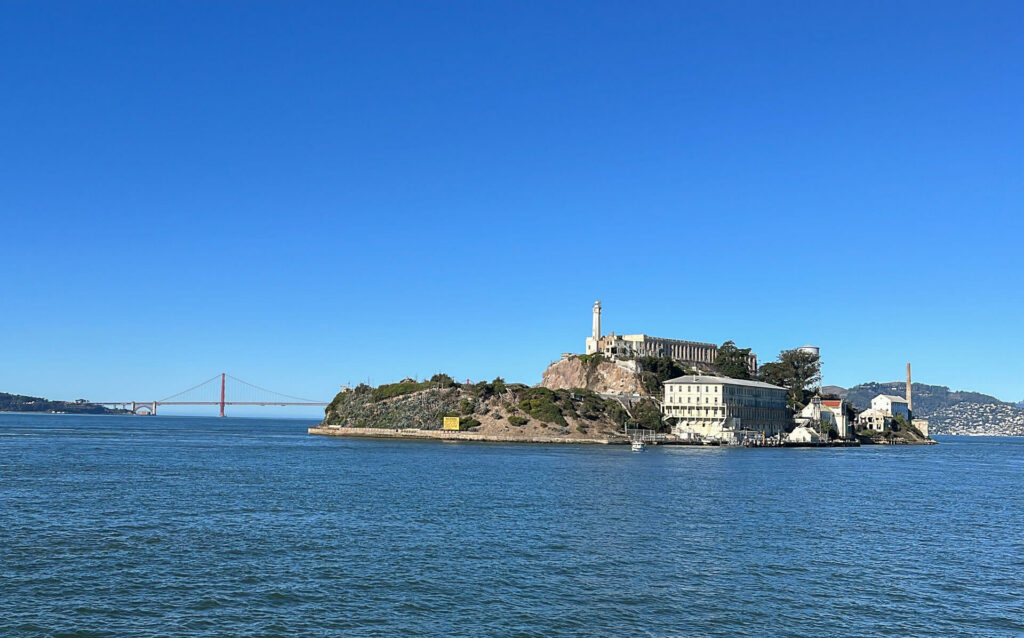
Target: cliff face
[[594, 374]]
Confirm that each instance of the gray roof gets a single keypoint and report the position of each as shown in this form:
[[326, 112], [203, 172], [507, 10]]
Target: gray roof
[[705, 378], [893, 398]]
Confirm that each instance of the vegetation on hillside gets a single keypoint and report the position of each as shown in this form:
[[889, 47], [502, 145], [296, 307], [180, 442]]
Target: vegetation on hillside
[[901, 431], [655, 371], [928, 399], [22, 403], [423, 404]]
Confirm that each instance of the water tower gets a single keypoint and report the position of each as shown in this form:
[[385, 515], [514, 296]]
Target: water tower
[[815, 350]]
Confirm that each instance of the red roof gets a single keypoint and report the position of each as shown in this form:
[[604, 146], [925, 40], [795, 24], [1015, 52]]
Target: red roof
[[832, 403]]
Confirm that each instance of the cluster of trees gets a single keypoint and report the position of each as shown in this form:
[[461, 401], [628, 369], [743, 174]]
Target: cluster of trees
[[796, 370]]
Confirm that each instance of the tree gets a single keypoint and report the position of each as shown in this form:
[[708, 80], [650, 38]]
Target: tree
[[655, 371], [827, 431], [647, 415], [442, 380], [732, 361], [795, 370]]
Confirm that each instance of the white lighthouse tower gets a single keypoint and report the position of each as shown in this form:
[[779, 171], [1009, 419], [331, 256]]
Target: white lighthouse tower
[[594, 339]]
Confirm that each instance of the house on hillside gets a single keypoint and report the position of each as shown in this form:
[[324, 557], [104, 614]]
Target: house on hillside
[[892, 405]]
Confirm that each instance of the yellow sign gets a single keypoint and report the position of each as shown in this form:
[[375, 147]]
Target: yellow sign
[[451, 422]]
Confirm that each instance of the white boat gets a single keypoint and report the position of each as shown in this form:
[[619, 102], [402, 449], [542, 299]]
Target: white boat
[[638, 445]]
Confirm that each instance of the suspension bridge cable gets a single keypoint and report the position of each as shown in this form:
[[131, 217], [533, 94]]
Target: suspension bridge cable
[[287, 396], [198, 385]]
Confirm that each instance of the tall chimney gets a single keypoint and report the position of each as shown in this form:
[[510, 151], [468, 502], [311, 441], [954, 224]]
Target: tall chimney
[[910, 400]]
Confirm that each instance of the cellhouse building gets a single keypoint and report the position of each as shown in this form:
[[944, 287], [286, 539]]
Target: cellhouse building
[[723, 409]]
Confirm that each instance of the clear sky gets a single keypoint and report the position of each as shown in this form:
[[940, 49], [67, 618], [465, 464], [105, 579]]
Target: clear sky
[[312, 194]]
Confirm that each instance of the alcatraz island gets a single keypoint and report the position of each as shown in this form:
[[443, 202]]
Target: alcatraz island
[[625, 387]]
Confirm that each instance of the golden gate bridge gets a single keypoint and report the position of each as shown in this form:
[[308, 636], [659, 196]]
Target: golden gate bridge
[[215, 391]]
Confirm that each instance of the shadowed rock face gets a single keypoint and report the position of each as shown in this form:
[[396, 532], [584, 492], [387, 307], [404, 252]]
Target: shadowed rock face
[[601, 376]]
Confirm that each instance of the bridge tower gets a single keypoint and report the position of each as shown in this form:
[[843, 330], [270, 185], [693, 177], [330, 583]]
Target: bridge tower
[[222, 393]]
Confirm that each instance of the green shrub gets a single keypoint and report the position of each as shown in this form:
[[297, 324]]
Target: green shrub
[[518, 420], [648, 416], [543, 394], [543, 410], [468, 423], [391, 390], [614, 411], [442, 380], [466, 406]]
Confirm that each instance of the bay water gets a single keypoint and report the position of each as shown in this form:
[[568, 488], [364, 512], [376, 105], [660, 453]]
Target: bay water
[[190, 526]]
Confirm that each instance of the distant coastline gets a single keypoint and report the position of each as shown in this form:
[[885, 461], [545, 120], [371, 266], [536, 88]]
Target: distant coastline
[[23, 403]]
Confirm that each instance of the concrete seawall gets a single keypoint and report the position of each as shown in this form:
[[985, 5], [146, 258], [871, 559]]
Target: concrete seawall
[[451, 435]]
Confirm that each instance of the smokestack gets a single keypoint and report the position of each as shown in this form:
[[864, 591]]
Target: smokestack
[[910, 400]]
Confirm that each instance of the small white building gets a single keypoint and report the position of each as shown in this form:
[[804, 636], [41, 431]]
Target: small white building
[[803, 434], [891, 405], [830, 411], [874, 419]]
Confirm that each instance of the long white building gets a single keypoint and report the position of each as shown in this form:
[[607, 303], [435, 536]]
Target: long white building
[[723, 409], [614, 345]]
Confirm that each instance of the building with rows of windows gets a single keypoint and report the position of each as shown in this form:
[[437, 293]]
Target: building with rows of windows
[[722, 409], [624, 346]]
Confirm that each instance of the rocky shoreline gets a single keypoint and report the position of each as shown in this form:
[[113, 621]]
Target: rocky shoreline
[[455, 435]]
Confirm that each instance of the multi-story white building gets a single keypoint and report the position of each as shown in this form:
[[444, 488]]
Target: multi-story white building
[[614, 345], [891, 405], [883, 408], [723, 409]]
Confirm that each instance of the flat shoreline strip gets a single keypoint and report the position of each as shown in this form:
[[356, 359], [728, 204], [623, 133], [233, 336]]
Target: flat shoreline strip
[[452, 435]]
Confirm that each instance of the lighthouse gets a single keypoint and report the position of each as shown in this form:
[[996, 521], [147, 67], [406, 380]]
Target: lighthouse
[[593, 341]]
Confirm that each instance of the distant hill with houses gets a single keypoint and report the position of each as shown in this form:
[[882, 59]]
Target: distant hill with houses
[[949, 411]]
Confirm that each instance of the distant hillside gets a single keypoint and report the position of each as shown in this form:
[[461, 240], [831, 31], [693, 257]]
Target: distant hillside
[[928, 399], [949, 412], [22, 403]]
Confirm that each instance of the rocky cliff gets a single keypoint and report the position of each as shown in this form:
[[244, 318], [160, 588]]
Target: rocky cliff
[[595, 374]]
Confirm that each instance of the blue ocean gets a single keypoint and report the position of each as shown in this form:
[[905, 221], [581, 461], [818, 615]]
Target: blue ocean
[[188, 526]]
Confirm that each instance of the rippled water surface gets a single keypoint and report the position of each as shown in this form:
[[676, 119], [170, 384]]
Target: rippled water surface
[[118, 526]]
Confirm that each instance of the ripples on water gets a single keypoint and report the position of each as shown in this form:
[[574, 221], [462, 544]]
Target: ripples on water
[[115, 526]]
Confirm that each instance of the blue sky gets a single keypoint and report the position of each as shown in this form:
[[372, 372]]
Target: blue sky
[[310, 194]]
